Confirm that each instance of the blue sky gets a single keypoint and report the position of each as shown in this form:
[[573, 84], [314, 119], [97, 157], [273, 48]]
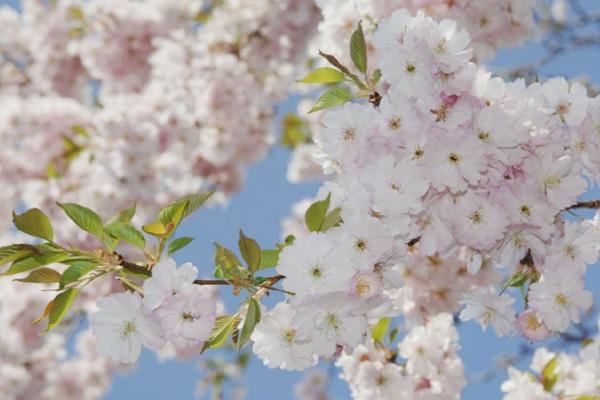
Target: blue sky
[[258, 210]]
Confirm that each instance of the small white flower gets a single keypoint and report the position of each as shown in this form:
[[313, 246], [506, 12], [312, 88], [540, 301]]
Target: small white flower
[[121, 327], [314, 265], [282, 341], [335, 319], [167, 280], [489, 308], [558, 297], [188, 316]]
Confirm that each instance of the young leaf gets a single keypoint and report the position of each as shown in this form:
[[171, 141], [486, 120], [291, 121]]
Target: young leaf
[[14, 252], [34, 261], [393, 334], [358, 49], [225, 259], [250, 251], [155, 229], [35, 223], [60, 306], [224, 325], [295, 131], [80, 130], [76, 12], [334, 61], [179, 243], [85, 218], [376, 76], [549, 375], [379, 330], [269, 258], [252, 318], [333, 218], [173, 213], [195, 201], [315, 215], [44, 314], [77, 270], [323, 75], [125, 216], [42, 275], [126, 232], [332, 97]]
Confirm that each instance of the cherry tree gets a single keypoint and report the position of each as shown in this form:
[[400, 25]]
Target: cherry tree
[[444, 198]]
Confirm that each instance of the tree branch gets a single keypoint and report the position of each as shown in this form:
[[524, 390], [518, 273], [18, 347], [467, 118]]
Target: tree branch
[[145, 271], [585, 204]]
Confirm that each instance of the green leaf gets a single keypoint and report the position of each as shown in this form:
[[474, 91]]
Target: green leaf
[[393, 334], [173, 213], [334, 61], [195, 201], [250, 251], [84, 218], [518, 279], [588, 398], [52, 171], [60, 307], [315, 215], [380, 329], [586, 342], [333, 218], [224, 325], [358, 49], [126, 232], [331, 98], [75, 12], [14, 252], [295, 131], [376, 76], [269, 258], [42, 275], [35, 223], [225, 258], [252, 318], [125, 216], [179, 243], [155, 229], [323, 75], [549, 376], [80, 130], [72, 149], [77, 270], [34, 261]]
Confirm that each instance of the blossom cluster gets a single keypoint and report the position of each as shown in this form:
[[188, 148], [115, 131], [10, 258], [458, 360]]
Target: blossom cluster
[[133, 101], [36, 366], [557, 375], [429, 368], [122, 102], [455, 165], [173, 310], [491, 24]]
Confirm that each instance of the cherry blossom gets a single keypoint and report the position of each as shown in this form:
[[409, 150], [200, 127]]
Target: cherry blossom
[[122, 327]]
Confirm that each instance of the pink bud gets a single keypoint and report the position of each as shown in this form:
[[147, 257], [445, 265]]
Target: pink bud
[[449, 101], [531, 327]]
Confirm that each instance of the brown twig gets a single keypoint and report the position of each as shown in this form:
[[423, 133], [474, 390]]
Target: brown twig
[[145, 271], [585, 204]]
